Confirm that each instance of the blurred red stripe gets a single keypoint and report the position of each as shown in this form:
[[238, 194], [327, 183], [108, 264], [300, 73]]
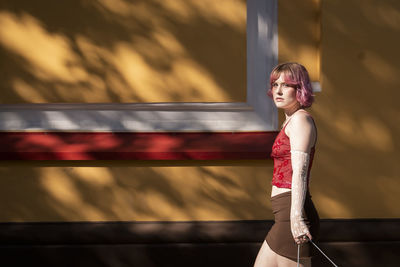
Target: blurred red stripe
[[138, 146]]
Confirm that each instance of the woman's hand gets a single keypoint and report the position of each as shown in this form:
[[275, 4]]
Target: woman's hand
[[303, 238], [299, 229]]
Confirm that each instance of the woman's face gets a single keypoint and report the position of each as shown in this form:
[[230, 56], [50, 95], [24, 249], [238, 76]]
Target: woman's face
[[284, 94]]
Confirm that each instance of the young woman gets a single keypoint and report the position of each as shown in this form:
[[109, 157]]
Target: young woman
[[296, 219]]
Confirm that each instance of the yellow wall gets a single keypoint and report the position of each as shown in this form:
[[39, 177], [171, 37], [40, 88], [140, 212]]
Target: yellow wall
[[299, 33], [122, 51], [134, 190], [356, 172]]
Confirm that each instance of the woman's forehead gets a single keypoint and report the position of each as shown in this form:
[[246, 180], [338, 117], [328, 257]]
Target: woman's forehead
[[283, 76]]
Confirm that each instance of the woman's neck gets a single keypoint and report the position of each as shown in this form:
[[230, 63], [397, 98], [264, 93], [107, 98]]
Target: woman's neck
[[291, 110]]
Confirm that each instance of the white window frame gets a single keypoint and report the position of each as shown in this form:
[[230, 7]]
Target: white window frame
[[258, 113]]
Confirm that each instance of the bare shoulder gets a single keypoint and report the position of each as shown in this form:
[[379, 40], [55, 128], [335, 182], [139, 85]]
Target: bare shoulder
[[301, 122], [302, 119], [301, 131]]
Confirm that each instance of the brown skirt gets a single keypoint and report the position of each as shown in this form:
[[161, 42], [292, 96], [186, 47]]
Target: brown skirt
[[280, 238]]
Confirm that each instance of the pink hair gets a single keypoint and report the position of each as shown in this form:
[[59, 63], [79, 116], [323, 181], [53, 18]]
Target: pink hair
[[296, 75]]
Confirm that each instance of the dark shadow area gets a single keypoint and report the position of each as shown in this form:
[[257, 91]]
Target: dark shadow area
[[207, 243]]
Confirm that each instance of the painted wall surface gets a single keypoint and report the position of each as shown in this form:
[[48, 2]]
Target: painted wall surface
[[299, 34], [356, 172], [134, 190], [122, 51]]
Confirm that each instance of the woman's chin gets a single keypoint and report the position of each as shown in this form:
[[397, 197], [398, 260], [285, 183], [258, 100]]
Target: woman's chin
[[279, 105]]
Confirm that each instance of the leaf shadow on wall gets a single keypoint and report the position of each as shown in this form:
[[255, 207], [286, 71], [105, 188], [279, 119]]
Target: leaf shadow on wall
[[357, 112], [123, 51]]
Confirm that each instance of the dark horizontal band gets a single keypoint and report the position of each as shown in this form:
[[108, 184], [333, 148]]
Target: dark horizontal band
[[353, 242], [333, 230], [135, 146]]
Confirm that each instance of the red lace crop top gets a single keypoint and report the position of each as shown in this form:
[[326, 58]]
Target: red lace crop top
[[282, 176]]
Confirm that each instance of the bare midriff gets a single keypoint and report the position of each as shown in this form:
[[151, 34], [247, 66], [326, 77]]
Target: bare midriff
[[278, 190]]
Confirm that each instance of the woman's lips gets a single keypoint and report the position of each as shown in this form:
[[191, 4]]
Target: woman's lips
[[278, 99]]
